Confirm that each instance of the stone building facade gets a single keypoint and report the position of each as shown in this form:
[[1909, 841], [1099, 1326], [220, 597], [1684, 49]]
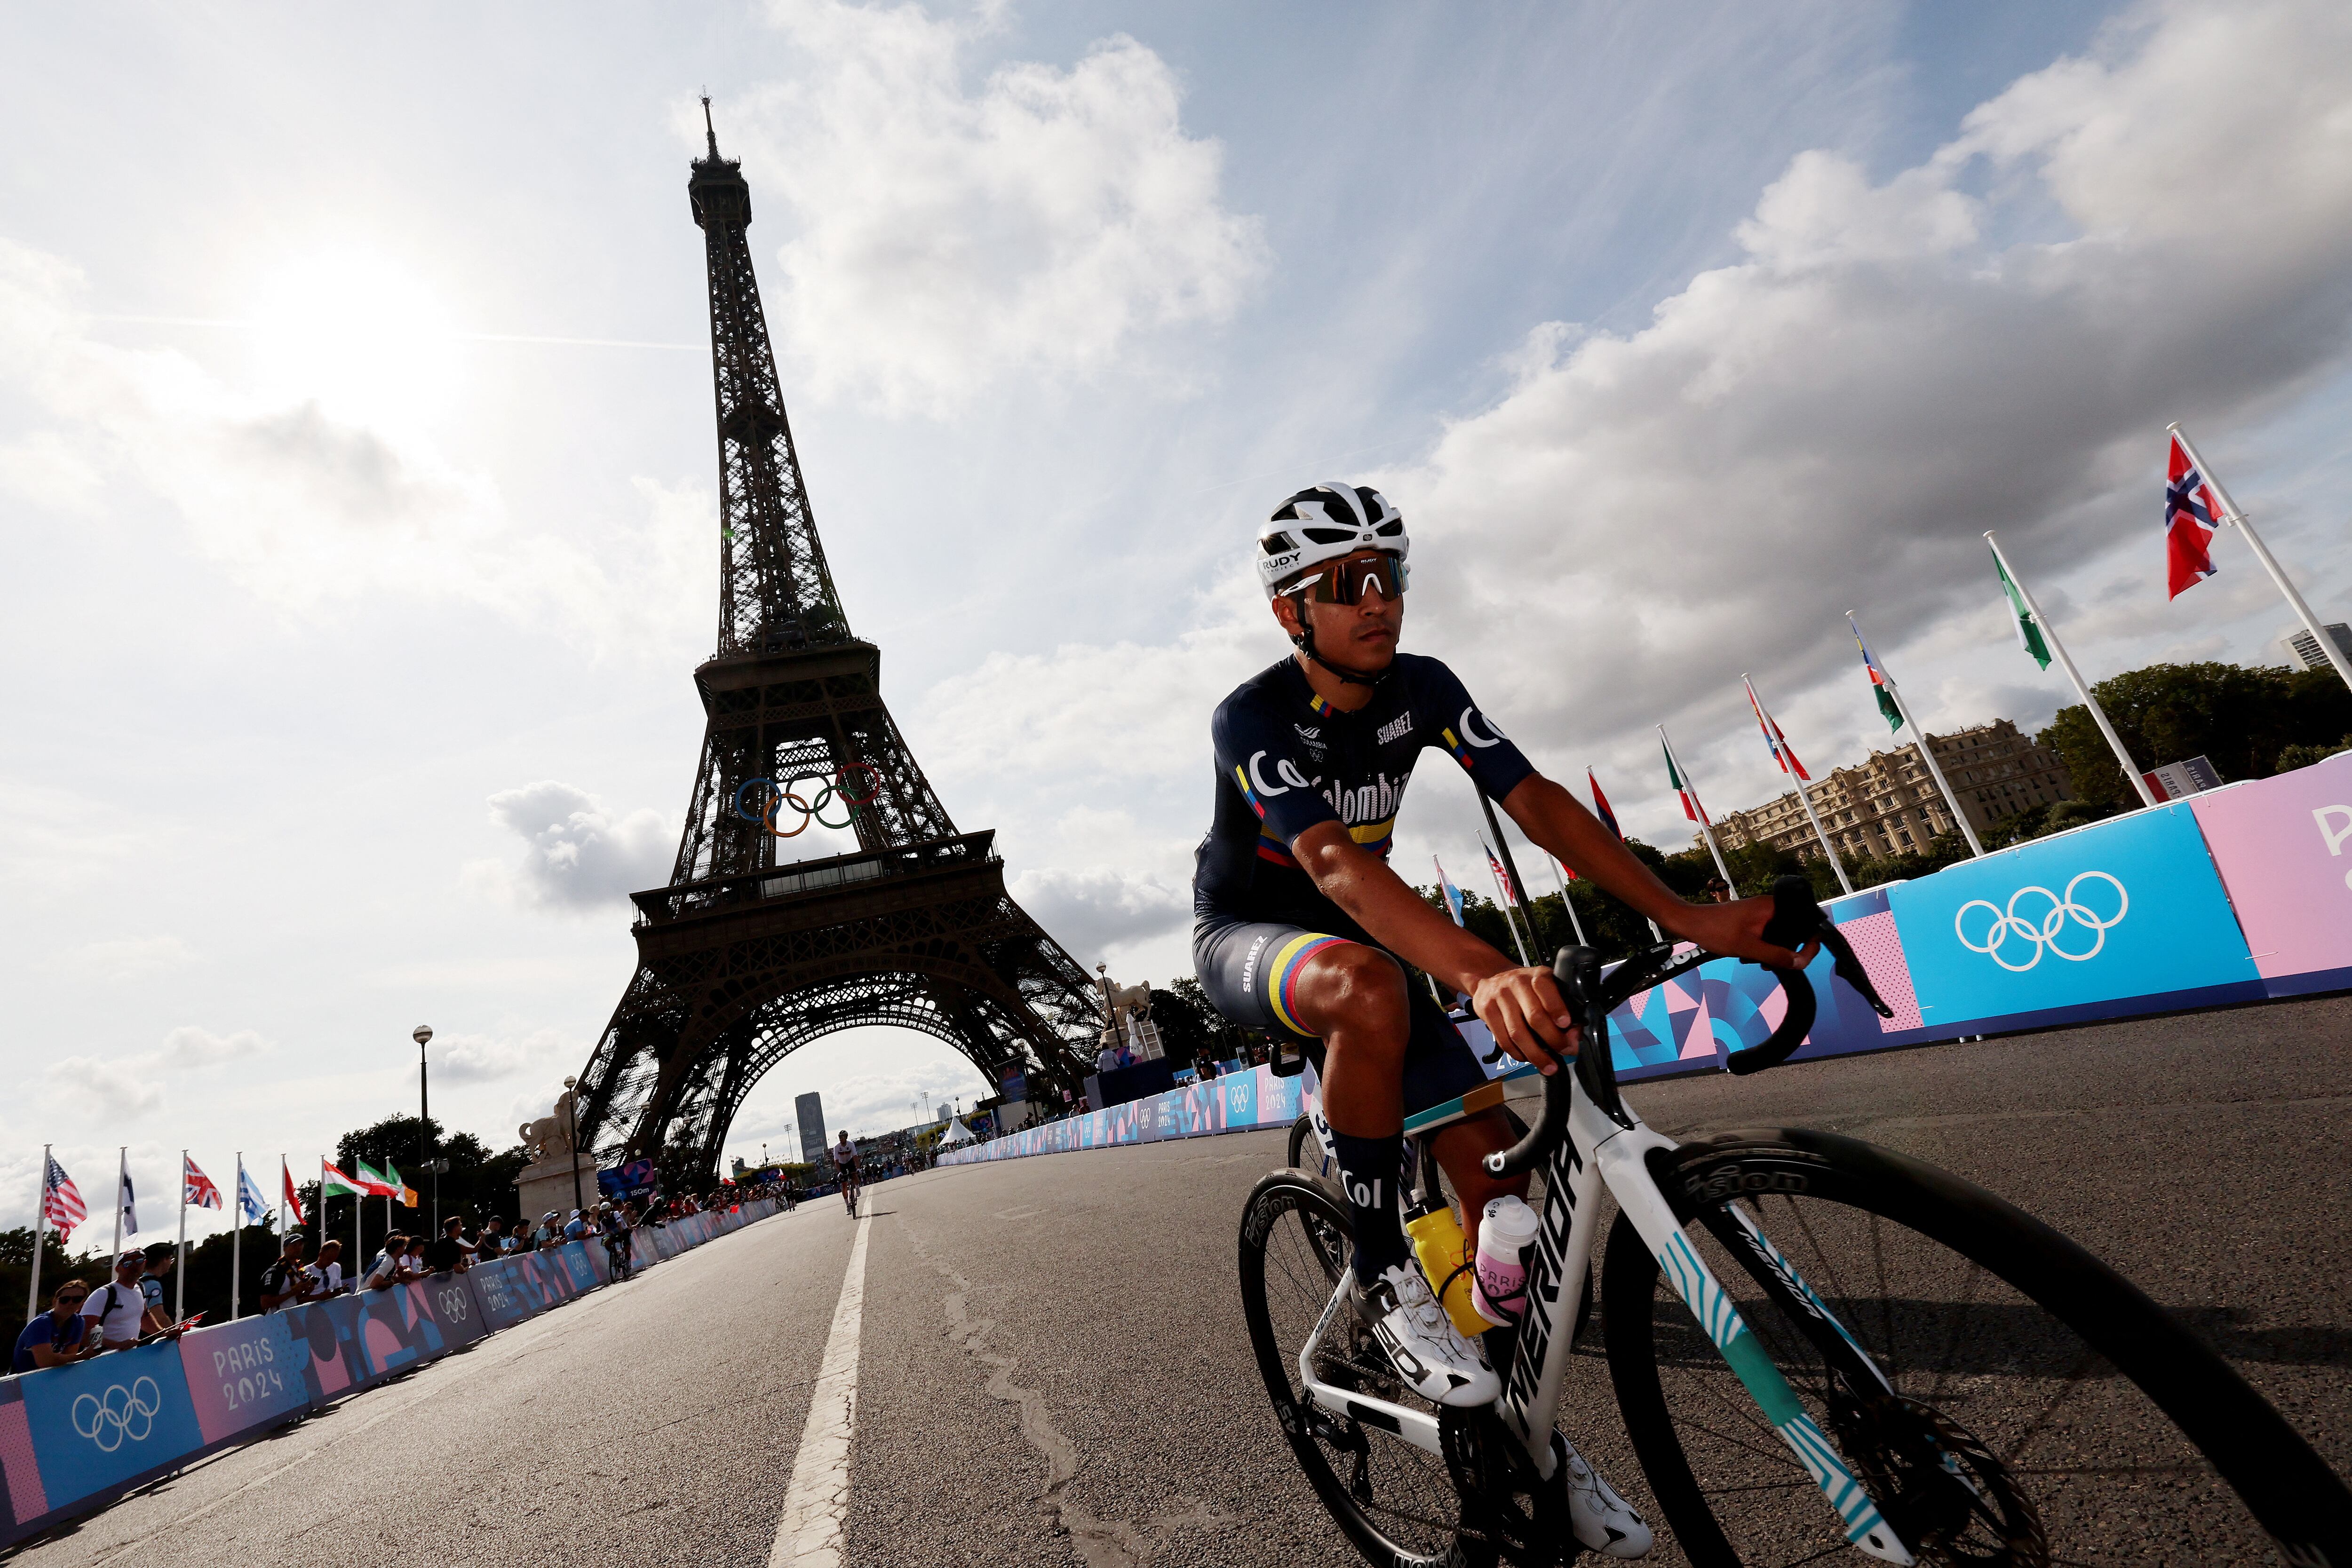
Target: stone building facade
[[1889, 805]]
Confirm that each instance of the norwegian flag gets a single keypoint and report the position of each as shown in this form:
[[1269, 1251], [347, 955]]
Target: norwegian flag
[[1502, 877], [61, 1203], [1783, 752], [2191, 516], [1600, 808], [196, 1188], [293, 1201]]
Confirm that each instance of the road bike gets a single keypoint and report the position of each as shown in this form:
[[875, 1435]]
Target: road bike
[[849, 1186], [1817, 1347]]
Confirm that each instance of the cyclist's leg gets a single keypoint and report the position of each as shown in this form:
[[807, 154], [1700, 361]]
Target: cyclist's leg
[[1308, 984], [1439, 1065]]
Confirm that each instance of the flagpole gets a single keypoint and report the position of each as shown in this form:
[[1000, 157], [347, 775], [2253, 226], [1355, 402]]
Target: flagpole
[[2261, 553], [121, 1174], [2098, 713], [41, 1234], [180, 1258], [1655, 934], [1502, 848], [1927, 751], [1567, 902], [1706, 828], [1780, 747], [236, 1237]]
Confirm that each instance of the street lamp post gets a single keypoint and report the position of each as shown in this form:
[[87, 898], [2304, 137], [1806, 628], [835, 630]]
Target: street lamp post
[[571, 1115], [422, 1036]]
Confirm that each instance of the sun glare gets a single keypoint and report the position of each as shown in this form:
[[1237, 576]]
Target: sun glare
[[359, 335]]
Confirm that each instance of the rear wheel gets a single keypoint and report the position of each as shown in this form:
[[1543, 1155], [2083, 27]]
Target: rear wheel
[[2036, 1407], [1396, 1503]]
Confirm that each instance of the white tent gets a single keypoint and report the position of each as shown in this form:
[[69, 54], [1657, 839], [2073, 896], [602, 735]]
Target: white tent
[[956, 1134]]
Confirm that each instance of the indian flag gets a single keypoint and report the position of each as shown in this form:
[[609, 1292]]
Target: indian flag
[[2029, 628], [1888, 708], [399, 1184]]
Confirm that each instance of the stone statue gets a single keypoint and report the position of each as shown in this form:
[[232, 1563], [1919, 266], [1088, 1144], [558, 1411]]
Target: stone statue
[[551, 1136]]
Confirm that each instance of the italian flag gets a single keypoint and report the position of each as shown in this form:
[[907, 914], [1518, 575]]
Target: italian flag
[[2028, 630], [1888, 708]]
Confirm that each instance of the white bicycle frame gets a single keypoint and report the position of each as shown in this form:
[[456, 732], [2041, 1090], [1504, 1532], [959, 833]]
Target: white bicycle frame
[[1598, 1152]]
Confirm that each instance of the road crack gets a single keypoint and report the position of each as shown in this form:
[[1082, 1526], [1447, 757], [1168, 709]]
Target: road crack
[[1100, 1542]]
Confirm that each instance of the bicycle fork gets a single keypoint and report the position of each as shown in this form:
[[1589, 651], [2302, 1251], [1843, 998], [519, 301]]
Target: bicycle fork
[[1621, 1156]]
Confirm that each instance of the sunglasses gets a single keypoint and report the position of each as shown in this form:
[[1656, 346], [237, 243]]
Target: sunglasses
[[1347, 581], [69, 1301]]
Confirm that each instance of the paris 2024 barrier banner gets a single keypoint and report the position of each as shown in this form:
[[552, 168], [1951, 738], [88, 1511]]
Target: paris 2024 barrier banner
[[73, 1438], [2237, 894]]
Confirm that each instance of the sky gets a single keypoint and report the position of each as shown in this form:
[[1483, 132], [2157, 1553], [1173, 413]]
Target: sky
[[357, 467]]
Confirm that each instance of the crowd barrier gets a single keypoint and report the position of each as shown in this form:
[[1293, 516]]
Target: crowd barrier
[[73, 1438], [2237, 894]]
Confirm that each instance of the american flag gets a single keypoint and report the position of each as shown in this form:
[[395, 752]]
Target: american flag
[[1502, 877], [197, 1187], [62, 1207]]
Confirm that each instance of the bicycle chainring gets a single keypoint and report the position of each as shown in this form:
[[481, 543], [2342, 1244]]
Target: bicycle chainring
[[1504, 1502], [1947, 1495]]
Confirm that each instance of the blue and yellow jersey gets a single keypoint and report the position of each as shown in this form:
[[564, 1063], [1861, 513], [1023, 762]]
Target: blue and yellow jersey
[[1286, 760]]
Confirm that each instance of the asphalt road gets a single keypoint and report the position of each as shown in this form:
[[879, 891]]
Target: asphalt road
[[1051, 1369]]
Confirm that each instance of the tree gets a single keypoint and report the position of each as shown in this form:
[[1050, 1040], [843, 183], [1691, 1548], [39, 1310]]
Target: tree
[[2242, 718], [1189, 1028]]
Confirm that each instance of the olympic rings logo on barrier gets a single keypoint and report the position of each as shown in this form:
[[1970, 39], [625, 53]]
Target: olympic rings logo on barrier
[[827, 791], [120, 1413], [2044, 935]]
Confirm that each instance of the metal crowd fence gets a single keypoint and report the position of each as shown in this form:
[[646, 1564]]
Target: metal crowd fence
[[2238, 894], [73, 1438]]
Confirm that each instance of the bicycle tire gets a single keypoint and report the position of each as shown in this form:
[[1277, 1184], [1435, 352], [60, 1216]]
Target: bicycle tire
[[2041, 1320], [1290, 1200], [1302, 1138]]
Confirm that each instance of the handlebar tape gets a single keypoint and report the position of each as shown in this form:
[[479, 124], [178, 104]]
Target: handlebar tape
[[1797, 920]]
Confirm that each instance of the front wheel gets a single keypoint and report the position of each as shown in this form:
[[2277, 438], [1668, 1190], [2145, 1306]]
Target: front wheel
[[2020, 1402], [1396, 1503]]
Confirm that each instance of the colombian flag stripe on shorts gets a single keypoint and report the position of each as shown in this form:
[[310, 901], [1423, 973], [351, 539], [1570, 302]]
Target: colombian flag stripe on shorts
[[1282, 974]]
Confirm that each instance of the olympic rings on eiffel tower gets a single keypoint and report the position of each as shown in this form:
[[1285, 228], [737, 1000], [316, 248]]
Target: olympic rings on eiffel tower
[[773, 800]]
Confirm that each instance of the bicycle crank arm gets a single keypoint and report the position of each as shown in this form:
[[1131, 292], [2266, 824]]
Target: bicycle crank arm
[[1413, 1427], [1620, 1161]]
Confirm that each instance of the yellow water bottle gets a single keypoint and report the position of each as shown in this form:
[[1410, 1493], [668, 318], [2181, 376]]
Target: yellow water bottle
[[1438, 1242]]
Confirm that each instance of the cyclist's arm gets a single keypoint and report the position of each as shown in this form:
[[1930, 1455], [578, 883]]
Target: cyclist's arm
[[1521, 1005], [1558, 821]]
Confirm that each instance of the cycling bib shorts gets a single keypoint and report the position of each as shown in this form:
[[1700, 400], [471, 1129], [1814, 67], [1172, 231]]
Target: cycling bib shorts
[[1249, 969]]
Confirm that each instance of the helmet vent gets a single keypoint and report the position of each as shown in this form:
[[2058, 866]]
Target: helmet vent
[[1275, 543], [1390, 528], [1330, 536]]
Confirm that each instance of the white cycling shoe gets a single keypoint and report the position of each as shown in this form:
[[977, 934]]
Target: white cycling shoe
[[1603, 1522], [1428, 1351]]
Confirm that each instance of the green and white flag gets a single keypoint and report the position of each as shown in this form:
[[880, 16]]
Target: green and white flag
[[2028, 630]]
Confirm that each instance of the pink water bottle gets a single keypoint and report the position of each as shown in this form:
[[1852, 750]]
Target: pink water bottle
[[1508, 1230]]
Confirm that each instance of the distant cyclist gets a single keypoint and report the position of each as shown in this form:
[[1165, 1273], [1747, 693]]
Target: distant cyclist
[[1301, 929], [845, 1163]]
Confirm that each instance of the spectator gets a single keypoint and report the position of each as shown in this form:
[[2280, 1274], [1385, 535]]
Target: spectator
[[286, 1283], [412, 1260], [119, 1306], [574, 1227], [1106, 1059], [550, 1233], [160, 1256], [385, 1272], [489, 1245], [452, 1253], [326, 1279], [59, 1335]]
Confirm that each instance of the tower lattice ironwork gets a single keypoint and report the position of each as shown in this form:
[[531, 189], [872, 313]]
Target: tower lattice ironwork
[[742, 959]]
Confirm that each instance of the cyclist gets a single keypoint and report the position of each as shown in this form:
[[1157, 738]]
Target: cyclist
[[1301, 928], [845, 1162]]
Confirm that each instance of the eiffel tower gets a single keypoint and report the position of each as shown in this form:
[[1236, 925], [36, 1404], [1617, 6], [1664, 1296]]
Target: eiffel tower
[[744, 958]]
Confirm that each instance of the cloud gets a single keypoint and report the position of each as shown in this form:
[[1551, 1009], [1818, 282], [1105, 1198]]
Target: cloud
[[1098, 907], [483, 1058], [1050, 222], [105, 1090], [188, 1047], [578, 854], [130, 958]]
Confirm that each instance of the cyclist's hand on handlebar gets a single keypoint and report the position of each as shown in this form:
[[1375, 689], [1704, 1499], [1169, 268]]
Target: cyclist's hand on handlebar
[[1736, 931], [1530, 1019]]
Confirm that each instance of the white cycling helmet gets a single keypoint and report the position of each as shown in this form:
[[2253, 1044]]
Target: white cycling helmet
[[1325, 523]]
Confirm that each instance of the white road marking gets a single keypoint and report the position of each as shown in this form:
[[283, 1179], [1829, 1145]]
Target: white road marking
[[809, 1534]]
